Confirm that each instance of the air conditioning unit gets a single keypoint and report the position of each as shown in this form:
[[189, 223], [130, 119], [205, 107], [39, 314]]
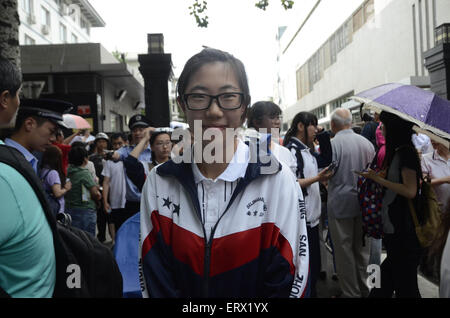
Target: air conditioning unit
[[45, 29], [31, 19]]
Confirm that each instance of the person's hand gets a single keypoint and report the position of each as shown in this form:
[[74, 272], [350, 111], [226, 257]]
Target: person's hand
[[325, 175], [107, 206], [369, 174], [320, 129], [447, 179], [148, 133], [68, 185]]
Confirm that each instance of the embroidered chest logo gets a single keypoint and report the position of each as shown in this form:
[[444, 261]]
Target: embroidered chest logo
[[257, 207], [176, 207]]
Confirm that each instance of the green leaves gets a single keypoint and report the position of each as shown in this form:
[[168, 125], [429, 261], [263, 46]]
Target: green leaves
[[198, 9]]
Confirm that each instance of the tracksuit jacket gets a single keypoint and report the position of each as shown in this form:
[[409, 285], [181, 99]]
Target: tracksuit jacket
[[246, 256]]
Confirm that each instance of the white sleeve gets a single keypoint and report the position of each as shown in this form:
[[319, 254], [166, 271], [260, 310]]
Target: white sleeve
[[301, 250]]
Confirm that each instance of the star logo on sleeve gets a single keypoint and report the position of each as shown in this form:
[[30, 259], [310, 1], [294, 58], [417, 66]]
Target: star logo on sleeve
[[167, 203], [176, 209]]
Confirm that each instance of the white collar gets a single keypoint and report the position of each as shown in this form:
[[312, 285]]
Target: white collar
[[298, 140], [236, 168]]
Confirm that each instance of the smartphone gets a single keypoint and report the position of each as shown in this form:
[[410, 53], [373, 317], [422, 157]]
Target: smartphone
[[332, 166]]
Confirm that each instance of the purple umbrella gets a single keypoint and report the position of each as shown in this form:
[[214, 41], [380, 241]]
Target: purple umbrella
[[428, 111]]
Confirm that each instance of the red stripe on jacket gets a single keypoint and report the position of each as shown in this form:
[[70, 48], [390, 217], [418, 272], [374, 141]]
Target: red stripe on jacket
[[235, 250], [227, 253]]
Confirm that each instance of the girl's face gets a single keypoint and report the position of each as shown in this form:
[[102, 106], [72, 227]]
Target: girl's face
[[311, 131], [162, 146], [213, 79]]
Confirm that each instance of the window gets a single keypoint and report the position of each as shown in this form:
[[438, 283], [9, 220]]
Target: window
[[369, 10], [358, 20], [27, 6], [320, 112], [85, 25], [116, 122], [302, 81], [314, 69], [29, 40], [62, 33], [74, 38], [45, 17]]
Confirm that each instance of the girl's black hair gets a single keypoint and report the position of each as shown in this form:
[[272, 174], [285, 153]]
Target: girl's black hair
[[10, 77], [398, 133], [77, 155], [261, 109], [306, 118], [210, 55]]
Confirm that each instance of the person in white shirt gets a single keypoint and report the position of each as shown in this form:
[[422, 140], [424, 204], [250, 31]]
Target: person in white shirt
[[114, 187], [300, 141], [436, 167], [265, 117], [422, 143]]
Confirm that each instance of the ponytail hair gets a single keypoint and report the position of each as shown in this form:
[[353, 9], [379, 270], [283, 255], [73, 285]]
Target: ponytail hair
[[306, 118]]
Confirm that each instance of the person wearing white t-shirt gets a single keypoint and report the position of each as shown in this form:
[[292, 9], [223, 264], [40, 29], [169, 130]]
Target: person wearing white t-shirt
[[436, 167], [114, 186], [422, 143], [264, 117]]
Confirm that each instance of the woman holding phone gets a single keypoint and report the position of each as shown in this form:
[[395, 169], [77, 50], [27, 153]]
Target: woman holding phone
[[300, 141]]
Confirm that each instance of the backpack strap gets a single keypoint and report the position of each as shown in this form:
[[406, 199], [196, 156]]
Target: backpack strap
[[300, 163], [16, 160]]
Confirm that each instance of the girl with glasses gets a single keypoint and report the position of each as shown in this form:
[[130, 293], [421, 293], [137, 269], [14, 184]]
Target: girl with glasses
[[227, 227]]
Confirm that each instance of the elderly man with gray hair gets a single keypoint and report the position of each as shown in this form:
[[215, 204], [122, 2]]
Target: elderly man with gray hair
[[350, 152]]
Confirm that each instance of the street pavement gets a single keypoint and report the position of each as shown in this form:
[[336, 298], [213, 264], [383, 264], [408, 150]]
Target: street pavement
[[328, 287]]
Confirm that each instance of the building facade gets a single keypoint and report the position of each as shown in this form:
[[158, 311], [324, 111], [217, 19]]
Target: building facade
[[340, 48], [103, 90], [56, 21]]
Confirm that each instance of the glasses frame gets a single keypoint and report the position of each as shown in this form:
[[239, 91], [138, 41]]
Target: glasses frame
[[213, 97]]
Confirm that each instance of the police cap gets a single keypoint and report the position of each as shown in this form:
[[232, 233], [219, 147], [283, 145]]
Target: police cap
[[138, 121], [50, 109]]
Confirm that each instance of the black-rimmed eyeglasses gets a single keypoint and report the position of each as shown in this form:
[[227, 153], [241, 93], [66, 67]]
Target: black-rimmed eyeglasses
[[227, 101]]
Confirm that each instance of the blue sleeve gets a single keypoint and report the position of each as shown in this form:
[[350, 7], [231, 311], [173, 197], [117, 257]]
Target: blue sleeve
[[325, 156], [135, 171], [122, 152]]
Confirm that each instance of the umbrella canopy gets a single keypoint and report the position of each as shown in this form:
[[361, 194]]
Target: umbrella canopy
[[75, 122], [429, 112]]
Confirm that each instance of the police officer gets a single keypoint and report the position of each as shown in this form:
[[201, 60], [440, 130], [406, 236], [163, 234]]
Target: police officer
[[36, 125]]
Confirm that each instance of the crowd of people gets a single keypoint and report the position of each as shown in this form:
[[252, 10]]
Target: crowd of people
[[249, 222]]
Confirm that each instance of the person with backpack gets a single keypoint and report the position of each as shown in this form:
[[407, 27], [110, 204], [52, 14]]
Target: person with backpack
[[299, 140], [402, 181], [81, 199], [27, 257], [217, 228], [54, 179]]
